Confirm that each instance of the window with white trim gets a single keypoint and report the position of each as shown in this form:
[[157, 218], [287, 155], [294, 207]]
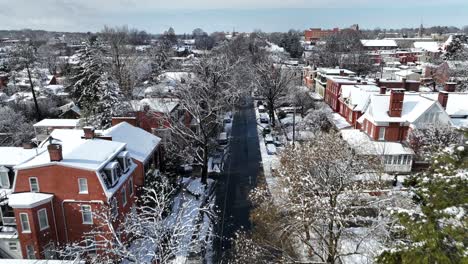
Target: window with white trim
[[24, 218], [86, 214], [30, 252], [124, 196], [43, 221], [4, 179], [83, 185], [382, 133], [13, 246], [130, 185], [33, 184]]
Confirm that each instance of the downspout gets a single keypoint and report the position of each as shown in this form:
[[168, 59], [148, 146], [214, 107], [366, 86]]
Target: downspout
[[55, 220], [63, 212]]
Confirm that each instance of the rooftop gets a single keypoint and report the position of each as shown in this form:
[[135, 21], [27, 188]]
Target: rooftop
[[160, 105], [28, 199], [414, 105], [12, 156], [379, 43], [88, 154], [365, 146], [140, 143], [58, 123]]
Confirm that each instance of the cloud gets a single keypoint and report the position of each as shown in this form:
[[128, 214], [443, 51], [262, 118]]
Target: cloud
[[155, 15]]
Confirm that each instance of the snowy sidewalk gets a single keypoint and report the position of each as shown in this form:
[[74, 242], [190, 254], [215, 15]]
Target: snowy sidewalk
[[269, 162]]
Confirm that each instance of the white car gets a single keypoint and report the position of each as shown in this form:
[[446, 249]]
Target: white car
[[269, 139], [271, 149], [264, 118]]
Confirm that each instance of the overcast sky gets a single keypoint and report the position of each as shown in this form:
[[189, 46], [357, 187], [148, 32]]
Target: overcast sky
[[244, 15]]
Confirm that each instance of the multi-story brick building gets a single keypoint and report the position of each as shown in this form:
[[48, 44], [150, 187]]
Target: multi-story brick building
[[315, 34], [57, 194]]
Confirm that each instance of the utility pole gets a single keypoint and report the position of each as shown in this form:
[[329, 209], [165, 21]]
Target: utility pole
[[294, 127]]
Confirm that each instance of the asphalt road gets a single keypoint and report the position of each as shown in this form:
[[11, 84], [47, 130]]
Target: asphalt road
[[239, 177]]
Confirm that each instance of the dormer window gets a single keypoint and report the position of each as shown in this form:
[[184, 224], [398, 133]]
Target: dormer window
[[124, 160], [112, 172], [4, 179]]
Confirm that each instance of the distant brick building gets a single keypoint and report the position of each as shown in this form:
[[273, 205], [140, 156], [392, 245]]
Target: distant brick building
[[315, 34]]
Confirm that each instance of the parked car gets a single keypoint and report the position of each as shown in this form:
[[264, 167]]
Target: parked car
[[268, 139], [264, 119], [261, 109], [223, 138], [259, 103], [266, 130], [271, 149]]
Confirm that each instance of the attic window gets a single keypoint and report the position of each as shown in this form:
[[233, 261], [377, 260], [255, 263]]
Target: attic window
[[113, 172], [124, 160], [4, 180]]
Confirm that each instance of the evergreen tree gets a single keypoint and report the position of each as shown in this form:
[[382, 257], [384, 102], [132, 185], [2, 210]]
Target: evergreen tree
[[93, 89], [436, 231]]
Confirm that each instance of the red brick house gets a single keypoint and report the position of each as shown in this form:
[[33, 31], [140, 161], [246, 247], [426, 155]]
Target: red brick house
[[354, 100], [57, 193], [333, 89], [156, 113], [391, 116]]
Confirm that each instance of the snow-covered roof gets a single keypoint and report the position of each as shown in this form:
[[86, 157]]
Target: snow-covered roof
[[160, 105], [12, 156], [414, 105], [175, 76], [358, 95], [339, 121], [405, 73], [28, 199], [58, 123], [457, 103], [365, 146], [379, 43], [88, 154], [334, 71], [140, 143], [55, 88], [459, 122], [70, 106], [431, 46]]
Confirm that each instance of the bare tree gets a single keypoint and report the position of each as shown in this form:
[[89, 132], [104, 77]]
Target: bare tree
[[123, 57], [14, 128], [49, 58], [427, 141], [330, 201], [205, 98], [154, 231], [273, 82], [24, 57]]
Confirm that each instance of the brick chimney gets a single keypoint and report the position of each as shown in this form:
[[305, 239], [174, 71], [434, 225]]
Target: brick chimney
[[88, 132], [383, 90], [443, 98], [450, 87], [55, 152], [403, 80], [396, 102], [342, 73]]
